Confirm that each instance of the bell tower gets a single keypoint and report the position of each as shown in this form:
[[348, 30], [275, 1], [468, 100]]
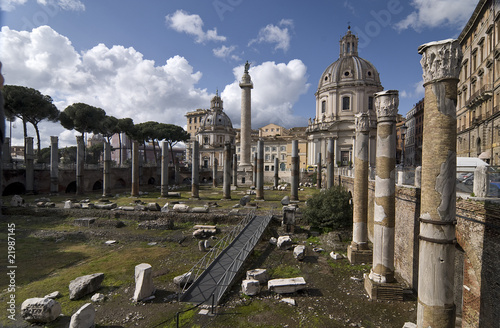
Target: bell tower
[[349, 44]]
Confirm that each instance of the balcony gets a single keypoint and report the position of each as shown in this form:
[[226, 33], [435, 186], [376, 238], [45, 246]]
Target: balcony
[[483, 94]]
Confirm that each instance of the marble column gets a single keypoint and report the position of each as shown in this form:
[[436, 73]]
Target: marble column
[[54, 165], [80, 164], [30, 165], [358, 251], [386, 104], [226, 189], [246, 86], [276, 172], [441, 63], [214, 173], [135, 169], [195, 173], [164, 169], [318, 171], [294, 192], [255, 169], [235, 169], [106, 185], [260, 171], [330, 164]]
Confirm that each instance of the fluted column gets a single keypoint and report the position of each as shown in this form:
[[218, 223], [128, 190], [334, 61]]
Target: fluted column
[[246, 86], [294, 188], [386, 104], [164, 169], [135, 169], [356, 251], [54, 165], [259, 193], [195, 173], [330, 163], [106, 184], [441, 63], [80, 164]]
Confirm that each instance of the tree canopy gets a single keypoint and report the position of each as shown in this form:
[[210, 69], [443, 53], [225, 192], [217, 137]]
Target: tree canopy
[[30, 106], [83, 118]]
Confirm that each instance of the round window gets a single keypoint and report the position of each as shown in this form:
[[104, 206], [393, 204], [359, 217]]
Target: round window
[[369, 73], [346, 74], [326, 78]]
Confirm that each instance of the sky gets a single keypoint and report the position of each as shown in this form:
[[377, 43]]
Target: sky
[[156, 60]]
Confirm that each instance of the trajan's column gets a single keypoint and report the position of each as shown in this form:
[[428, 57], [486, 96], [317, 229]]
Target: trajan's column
[[246, 86]]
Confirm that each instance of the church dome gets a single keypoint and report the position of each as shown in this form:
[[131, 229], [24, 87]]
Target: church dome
[[349, 69], [216, 119]]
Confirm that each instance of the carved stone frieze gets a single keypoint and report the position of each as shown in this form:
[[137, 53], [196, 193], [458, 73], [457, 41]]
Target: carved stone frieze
[[362, 122], [386, 104], [440, 60]]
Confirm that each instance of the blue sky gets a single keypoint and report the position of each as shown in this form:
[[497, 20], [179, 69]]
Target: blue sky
[[156, 60]]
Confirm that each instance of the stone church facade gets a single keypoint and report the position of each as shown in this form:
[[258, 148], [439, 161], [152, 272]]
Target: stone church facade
[[345, 89]]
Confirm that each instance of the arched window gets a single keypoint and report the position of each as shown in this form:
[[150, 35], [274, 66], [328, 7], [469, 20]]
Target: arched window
[[323, 107], [346, 103]]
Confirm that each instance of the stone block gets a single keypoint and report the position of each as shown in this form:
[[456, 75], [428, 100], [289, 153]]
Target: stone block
[[84, 317], [40, 310], [259, 275], [183, 279], [144, 287], [245, 200], [181, 208], [200, 209], [153, 207], [285, 201], [359, 256], [97, 297], [68, 204], [286, 286], [284, 242], [336, 256], [204, 233], [250, 287], [83, 222], [299, 252], [84, 285], [53, 295]]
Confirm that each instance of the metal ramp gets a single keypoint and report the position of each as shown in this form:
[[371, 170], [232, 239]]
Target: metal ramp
[[214, 273]]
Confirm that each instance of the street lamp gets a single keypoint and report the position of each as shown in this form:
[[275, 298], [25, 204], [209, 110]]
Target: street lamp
[[402, 130]]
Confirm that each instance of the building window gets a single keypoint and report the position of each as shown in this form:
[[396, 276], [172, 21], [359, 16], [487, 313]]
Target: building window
[[195, 120], [253, 149], [370, 103], [238, 149], [266, 168], [206, 140], [283, 148], [267, 148], [190, 120], [346, 103], [323, 107], [274, 148], [277, 130], [272, 130], [267, 158], [283, 157]]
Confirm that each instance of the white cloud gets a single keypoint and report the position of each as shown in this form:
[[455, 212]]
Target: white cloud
[[434, 13], [277, 87], [226, 52], [417, 91], [117, 79], [74, 5], [181, 21], [278, 35]]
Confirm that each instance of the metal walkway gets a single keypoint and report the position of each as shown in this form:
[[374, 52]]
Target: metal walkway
[[213, 277]]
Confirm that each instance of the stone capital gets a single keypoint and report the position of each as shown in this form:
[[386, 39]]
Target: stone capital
[[440, 60], [54, 139], [362, 123], [386, 104]]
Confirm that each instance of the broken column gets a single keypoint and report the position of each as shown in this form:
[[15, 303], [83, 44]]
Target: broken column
[[294, 193], [106, 185], [214, 173], [358, 251], [144, 287], [195, 175], [441, 62], [318, 171], [235, 169], [330, 163], [164, 169], [30, 166], [259, 193], [54, 165], [386, 104], [135, 169], [80, 164], [226, 189], [276, 172]]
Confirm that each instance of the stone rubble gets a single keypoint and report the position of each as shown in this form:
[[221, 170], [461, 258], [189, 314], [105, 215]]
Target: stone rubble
[[40, 310], [84, 317], [84, 285]]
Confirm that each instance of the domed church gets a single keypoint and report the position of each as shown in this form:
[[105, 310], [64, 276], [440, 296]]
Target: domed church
[[214, 131], [345, 88]]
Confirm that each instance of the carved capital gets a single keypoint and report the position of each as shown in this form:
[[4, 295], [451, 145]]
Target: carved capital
[[440, 60], [386, 104], [362, 123]]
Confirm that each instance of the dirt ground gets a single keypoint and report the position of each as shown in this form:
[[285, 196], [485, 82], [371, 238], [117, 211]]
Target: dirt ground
[[334, 295]]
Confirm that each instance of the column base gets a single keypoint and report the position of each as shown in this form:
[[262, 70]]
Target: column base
[[388, 291], [359, 256]]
